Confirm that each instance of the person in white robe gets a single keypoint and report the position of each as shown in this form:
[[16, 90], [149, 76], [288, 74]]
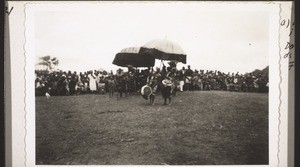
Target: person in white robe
[[92, 82]]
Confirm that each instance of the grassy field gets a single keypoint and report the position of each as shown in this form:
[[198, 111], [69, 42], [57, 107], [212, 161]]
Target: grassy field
[[199, 128]]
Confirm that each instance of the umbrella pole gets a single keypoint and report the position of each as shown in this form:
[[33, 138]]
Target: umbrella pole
[[135, 79]]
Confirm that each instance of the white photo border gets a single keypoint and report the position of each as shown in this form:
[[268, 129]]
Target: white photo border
[[22, 76]]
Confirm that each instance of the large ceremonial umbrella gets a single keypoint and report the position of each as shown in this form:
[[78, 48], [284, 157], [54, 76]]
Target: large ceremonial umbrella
[[164, 50], [132, 56]]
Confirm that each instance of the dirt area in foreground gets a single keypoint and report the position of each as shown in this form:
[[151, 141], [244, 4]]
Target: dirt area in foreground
[[199, 128]]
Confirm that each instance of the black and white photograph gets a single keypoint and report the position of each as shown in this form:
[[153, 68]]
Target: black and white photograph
[[150, 83]]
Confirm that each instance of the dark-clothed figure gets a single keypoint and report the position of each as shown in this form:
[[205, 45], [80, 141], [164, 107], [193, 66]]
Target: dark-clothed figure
[[72, 84], [153, 84], [120, 83], [167, 90], [111, 84], [62, 86], [188, 78]]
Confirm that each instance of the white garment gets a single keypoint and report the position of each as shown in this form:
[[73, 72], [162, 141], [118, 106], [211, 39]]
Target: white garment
[[47, 95], [181, 84], [93, 86], [38, 85], [188, 79], [235, 80]]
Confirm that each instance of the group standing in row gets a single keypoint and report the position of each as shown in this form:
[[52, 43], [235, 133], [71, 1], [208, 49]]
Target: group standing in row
[[132, 80]]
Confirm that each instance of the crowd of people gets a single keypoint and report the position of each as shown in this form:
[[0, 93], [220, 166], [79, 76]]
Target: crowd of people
[[132, 80]]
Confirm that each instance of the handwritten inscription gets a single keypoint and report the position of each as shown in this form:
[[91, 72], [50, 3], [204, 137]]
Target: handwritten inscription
[[286, 23], [8, 11], [288, 55], [289, 45], [291, 64]]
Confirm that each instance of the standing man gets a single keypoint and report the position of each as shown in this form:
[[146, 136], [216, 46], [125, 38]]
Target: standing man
[[188, 76], [167, 90], [181, 79]]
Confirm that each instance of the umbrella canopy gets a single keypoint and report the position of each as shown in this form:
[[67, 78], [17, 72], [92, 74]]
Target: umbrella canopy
[[132, 56], [164, 50]]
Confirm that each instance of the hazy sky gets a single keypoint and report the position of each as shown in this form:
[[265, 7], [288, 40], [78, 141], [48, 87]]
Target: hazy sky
[[85, 37]]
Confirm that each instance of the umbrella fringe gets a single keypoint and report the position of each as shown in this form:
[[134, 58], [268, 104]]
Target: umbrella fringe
[[134, 59], [157, 54]]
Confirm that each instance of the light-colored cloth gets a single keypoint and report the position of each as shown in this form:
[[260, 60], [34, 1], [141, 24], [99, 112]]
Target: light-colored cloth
[[98, 78], [167, 82], [188, 79], [181, 84], [47, 95], [146, 90], [235, 80], [93, 86], [38, 85]]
